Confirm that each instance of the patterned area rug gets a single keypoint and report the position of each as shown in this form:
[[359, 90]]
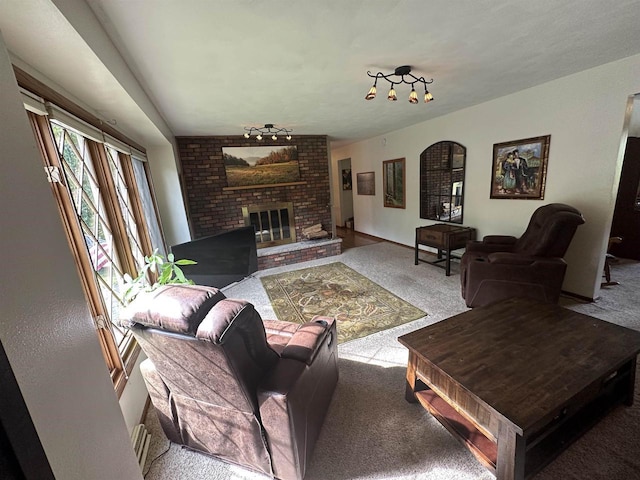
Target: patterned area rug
[[362, 307]]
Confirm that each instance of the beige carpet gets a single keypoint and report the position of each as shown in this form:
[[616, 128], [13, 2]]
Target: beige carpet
[[361, 306], [372, 433]]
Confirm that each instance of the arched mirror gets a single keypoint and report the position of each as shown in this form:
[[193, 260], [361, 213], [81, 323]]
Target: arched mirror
[[442, 182]]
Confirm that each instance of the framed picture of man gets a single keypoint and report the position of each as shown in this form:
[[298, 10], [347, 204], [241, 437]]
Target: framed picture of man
[[519, 169], [346, 179]]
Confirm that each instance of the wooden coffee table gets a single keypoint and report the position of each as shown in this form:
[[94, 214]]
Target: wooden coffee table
[[518, 381]]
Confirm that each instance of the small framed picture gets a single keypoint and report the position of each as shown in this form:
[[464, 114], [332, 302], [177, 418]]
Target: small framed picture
[[519, 168], [366, 183], [346, 179]]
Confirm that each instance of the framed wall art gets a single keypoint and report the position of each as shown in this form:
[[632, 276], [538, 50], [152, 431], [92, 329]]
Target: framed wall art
[[393, 180], [366, 183], [346, 179], [519, 168], [264, 165]]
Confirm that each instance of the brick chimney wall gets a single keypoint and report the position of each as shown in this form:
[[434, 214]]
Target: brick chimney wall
[[213, 209]]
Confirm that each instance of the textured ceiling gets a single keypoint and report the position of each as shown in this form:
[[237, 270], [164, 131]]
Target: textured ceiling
[[214, 67]]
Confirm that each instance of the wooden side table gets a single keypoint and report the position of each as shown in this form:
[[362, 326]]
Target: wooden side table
[[445, 238]]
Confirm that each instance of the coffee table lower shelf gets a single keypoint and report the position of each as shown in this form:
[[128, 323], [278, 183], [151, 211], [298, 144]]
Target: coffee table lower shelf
[[483, 448], [545, 445]]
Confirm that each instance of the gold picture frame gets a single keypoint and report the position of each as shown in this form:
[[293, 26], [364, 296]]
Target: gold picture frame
[[519, 169]]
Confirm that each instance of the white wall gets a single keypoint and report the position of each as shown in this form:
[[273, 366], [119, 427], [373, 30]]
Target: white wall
[[583, 113], [166, 185], [133, 398], [46, 328]]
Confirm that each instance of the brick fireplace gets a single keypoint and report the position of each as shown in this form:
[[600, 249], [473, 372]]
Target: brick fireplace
[[213, 207], [274, 223]]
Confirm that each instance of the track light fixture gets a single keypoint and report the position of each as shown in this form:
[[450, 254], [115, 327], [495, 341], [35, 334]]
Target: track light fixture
[[402, 72], [268, 129]]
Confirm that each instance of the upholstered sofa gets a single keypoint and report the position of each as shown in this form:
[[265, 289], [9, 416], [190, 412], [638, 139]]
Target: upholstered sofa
[[502, 266], [226, 383]]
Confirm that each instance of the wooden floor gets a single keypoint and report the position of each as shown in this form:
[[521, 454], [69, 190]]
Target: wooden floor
[[352, 239]]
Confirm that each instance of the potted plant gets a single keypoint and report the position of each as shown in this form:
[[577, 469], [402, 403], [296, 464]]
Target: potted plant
[[163, 271]]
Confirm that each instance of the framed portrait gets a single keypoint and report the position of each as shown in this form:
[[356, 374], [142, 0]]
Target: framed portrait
[[366, 183], [346, 179], [264, 165], [519, 169], [393, 180]]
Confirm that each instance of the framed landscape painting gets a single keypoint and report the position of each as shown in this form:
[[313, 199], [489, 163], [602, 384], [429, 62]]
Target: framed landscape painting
[[256, 166], [393, 174], [519, 169]]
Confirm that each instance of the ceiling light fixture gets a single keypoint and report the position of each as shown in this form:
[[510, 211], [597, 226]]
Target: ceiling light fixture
[[402, 72], [268, 129]]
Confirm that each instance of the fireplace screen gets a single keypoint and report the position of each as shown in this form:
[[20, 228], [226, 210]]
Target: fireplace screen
[[274, 224]]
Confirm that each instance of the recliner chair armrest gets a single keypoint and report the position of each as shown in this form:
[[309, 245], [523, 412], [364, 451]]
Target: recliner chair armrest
[[539, 278], [509, 258], [306, 341], [499, 240], [293, 400], [504, 245]]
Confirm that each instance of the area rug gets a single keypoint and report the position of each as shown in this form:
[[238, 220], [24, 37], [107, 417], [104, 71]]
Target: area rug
[[362, 307]]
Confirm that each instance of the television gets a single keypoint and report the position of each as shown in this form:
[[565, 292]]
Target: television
[[223, 259]]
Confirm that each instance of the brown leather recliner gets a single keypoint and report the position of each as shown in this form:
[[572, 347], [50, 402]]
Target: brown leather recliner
[[500, 266], [227, 383]]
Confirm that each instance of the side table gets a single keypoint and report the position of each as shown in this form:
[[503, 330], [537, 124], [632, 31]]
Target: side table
[[445, 238]]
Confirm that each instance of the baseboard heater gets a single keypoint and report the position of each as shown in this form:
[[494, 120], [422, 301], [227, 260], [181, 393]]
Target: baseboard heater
[[140, 438]]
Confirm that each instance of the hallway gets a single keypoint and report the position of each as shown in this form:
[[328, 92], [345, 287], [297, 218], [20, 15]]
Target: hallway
[[351, 238]]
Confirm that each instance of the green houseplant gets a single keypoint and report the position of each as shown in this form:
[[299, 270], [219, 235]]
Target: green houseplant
[[164, 270]]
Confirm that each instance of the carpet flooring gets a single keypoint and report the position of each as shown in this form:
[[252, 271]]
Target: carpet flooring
[[372, 433], [360, 306]]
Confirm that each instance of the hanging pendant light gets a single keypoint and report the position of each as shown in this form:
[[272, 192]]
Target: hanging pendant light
[[392, 94], [372, 92], [413, 96], [427, 96]]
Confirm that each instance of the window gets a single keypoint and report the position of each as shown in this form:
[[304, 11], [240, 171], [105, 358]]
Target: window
[[109, 215]]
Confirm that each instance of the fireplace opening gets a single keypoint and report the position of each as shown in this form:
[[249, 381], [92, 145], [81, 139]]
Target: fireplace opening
[[274, 223]]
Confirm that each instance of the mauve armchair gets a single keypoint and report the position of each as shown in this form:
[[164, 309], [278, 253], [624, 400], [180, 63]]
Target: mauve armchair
[[500, 266], [226, 383]]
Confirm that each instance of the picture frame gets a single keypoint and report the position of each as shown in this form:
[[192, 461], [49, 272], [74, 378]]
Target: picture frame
[[393, 181], [519, 168], [346, 179], [365, 183], [247, 167]]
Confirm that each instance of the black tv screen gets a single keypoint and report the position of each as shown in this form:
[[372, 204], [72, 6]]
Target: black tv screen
[[223, 259]]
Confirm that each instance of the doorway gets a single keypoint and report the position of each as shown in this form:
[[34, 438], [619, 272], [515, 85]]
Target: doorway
[[625, 225], [345, 212], [623, 252]]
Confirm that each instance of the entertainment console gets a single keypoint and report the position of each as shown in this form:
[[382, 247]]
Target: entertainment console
[[222, 259]]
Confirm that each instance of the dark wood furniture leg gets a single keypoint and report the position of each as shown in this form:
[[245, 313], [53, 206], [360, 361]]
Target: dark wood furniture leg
[[447, 262], [411, 379], [511, 454]]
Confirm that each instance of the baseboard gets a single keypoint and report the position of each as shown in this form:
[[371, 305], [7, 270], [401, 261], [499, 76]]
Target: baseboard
[[577, 297], [145, 410], [140, 440]]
